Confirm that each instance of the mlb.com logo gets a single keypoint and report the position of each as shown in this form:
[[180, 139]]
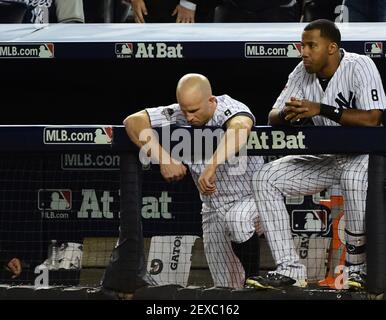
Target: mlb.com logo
[[55, 199], [124, 50], [373, 48], [77, 135], [272, 50], [27, 50]]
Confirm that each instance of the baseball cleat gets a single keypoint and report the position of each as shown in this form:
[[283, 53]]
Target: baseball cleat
[[356, 281], [274, 280]]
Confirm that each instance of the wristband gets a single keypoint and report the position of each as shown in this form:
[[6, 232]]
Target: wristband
[[331, 112]]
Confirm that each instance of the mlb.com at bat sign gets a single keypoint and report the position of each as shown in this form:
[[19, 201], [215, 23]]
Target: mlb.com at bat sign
[[82, 204], [77, 135], [149, 50], [97, 204], [33, 50], [276, 140], [272, 50]]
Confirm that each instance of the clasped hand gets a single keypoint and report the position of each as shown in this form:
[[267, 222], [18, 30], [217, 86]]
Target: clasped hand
[[295, 109]]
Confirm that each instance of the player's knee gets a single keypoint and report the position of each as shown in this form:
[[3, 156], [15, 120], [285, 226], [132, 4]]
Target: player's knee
[[240, 236], [353, 183], [260, 179], [239, 231]]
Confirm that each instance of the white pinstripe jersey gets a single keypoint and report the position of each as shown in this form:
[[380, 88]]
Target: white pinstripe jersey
[[229, 187], [356, 84]]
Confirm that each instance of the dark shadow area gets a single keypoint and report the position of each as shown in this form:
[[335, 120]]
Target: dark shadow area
[[105, 91]]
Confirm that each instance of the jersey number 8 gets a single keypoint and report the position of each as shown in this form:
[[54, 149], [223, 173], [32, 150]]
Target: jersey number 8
[[374, 94]]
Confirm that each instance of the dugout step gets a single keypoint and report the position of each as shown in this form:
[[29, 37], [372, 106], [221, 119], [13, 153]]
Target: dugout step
[[52, 293], [101, 294], [165, 292], [25, 292], [74, 293], [189, 293], [176, 292], [3, 291], [48, 293], [20, 293], [97, 252]]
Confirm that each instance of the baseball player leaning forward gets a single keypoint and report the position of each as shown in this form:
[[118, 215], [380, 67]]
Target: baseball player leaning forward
[[229, 213], [333, 87]]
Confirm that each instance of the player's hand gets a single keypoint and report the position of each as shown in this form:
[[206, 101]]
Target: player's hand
[[206, 181], [139, 10], [15, 267], [174, 171], [183, 15], [299, 109]]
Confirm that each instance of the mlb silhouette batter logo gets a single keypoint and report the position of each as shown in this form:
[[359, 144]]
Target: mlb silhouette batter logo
[[294, 50], [103, 135], [309, 221], [373, 47], [46, 50], [55, 199], [124, 49]]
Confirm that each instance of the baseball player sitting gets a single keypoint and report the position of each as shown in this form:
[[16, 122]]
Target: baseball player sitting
[[229, 213], [333, 87]]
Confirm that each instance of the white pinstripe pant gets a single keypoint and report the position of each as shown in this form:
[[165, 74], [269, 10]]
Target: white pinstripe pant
[[232, 222], [306, 175]]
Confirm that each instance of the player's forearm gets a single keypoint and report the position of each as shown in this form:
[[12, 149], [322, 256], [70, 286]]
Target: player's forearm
[[345, 117], [139, 130], [236, 136], [275, 118], [348, 117], [134, 125], [370, 118]]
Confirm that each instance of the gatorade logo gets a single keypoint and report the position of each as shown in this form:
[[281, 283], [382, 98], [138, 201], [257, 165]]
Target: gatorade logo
[[156, 266]]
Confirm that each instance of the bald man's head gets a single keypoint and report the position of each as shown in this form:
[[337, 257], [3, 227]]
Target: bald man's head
[[193, 85], [194, 95]]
